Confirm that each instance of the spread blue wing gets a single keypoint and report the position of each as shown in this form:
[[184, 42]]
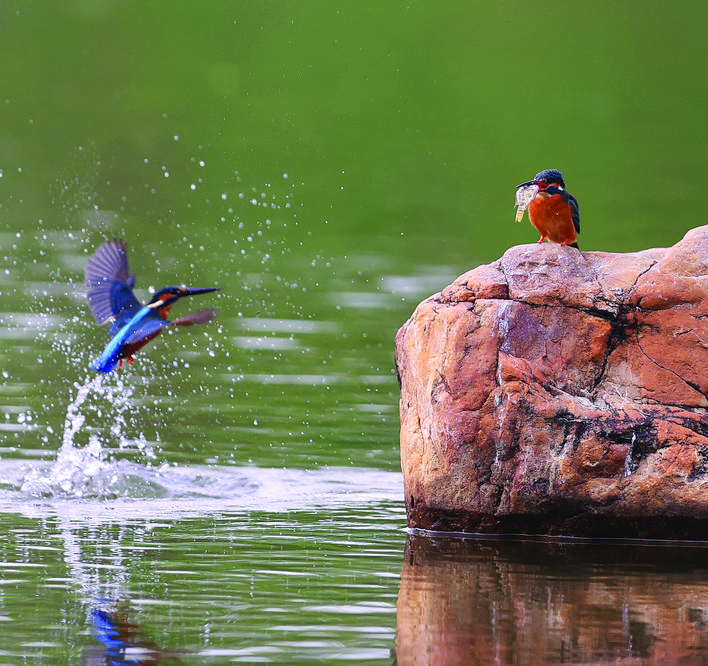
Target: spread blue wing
[[113, 301], [110, 284], [109, 262]]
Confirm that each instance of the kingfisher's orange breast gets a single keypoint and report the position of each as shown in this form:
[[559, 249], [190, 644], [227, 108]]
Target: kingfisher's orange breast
[[553, 218]]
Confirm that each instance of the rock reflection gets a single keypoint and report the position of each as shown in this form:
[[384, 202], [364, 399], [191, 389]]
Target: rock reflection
[[468, 601]]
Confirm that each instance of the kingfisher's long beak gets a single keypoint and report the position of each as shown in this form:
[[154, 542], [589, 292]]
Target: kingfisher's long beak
[[528, 182], [202, 290], [188, 291]]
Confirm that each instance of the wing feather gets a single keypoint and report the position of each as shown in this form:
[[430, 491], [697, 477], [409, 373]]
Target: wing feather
[[575, 212], [109, 262], [110, 294], [198, 317]]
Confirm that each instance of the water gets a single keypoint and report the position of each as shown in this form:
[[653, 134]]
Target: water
[[235, 496], [220, 582], [241, 549]]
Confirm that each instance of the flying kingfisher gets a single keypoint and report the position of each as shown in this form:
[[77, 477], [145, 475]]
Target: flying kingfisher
[[133, 325], [552, 210]]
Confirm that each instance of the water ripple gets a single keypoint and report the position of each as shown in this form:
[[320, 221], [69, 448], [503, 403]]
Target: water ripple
[[99, 488]]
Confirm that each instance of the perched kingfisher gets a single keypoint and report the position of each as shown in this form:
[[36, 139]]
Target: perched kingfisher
[[552, 210], [133, 325]]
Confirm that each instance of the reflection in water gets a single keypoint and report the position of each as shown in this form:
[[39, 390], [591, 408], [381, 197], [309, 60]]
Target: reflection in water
[[281, 566], [123, 644], [469, 601]]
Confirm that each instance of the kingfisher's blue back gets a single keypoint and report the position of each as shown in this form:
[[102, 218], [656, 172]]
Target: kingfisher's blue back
[[145, 323]]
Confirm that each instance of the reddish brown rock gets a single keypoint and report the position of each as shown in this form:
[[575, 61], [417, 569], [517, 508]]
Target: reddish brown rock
[[561, 392]]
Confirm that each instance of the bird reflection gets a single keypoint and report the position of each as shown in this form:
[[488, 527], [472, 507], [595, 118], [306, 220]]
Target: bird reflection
[[123, 643]]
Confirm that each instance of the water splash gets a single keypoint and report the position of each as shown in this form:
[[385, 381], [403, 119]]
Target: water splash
[[175, 492], [74, 418], [90, 470]]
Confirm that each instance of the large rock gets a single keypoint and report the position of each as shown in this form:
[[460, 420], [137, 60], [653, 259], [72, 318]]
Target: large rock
[[561, 392]]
